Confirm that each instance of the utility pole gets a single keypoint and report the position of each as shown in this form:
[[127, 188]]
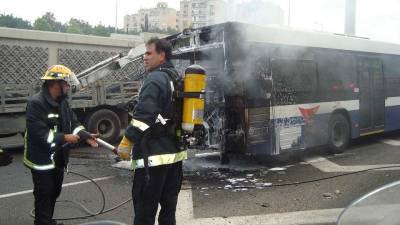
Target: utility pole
[[350, 18], [289, 14], [116, 16]]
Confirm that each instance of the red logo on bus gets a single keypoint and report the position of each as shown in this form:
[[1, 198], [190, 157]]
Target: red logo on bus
[[308, 113]]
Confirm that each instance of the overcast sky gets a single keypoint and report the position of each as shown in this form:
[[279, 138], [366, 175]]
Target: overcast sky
[[377, 19]]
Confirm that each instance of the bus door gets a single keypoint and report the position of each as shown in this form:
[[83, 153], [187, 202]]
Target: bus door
[[372, 95]]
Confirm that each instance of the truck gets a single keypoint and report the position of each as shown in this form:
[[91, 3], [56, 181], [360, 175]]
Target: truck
[[26, 55]]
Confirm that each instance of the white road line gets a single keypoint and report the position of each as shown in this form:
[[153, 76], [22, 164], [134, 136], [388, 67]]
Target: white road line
[[290, 218], [390, 142], [328, 166], [185, 216], [64, 185]]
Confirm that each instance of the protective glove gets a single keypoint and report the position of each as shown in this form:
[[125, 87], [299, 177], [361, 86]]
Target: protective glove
[[125, 148]]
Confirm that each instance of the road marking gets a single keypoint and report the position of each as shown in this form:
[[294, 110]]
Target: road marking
[[300, 217], [64, 185], [184, 215], [328, 166], [390, 142]]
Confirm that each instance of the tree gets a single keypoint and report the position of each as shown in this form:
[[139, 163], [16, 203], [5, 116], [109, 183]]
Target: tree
[[74, 26], [14, 22], [41, 24], [48, 22], [101, 30], [77, 26], [133, 32], [171, 30]]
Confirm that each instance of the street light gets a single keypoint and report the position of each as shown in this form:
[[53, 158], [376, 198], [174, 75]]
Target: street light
[[116, 16], [289, 14]]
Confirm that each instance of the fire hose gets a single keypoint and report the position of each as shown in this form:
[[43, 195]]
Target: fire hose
[[103, 198], [114, 150]]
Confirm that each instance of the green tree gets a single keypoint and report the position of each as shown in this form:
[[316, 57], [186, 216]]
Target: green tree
[[73, 27], [133, 32], [111, 29], [101, 30], [77, 26], [14, 22], [48, 22], [172, 31], [41, 24]]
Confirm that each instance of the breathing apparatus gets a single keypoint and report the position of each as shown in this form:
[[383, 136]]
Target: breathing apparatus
[[194, 84]]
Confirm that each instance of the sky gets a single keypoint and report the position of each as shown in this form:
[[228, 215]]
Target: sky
[[376, 19]]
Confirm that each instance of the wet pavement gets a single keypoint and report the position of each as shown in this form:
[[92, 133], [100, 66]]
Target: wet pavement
[[310, 187]]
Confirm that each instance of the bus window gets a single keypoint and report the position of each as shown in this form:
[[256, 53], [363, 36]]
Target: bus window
[[392, 75], [337, 76], [294, 81]]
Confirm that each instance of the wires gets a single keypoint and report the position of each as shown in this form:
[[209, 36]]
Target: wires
[[87, 211], [301, 182], [103, 199]]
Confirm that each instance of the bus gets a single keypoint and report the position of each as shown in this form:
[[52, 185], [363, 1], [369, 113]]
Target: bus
[[271, 90]]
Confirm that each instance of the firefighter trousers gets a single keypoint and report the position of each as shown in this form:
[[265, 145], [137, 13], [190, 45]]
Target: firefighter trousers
[[46, 189], [162, 188]]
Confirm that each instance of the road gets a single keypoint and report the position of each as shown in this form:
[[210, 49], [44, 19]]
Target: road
[[302, 192]]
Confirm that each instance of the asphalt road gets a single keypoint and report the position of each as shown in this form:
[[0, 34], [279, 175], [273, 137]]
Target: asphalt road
[[302, 192]]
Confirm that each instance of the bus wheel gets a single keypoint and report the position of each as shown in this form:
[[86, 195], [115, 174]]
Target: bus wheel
[[339, 133], [106, 123]]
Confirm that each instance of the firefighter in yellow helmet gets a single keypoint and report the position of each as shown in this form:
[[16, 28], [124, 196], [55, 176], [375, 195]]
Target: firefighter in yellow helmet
[[52, 129]]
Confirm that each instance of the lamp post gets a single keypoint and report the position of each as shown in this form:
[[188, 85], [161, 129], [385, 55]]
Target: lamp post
[[289, 13], [350, 17], [116, 16]]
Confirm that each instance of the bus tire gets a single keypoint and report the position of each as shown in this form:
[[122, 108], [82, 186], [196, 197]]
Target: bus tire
[[339, 133], [106, 123]]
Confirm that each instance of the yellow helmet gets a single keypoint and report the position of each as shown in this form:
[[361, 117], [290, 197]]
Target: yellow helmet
[[60, 72]]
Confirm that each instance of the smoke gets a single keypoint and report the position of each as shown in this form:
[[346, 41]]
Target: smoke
[[258, 12], [238, 75]]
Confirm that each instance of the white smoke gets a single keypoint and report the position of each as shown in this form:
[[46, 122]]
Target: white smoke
[[258, 12]]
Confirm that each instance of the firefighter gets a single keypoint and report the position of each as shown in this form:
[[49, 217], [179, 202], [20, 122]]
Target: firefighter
[[51, 130], [156, 157]]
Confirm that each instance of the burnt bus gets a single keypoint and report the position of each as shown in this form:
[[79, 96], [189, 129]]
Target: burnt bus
[[271, 90]]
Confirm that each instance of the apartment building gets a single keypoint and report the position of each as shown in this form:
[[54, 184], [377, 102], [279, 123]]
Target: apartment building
[[198, 13], [161, 17]]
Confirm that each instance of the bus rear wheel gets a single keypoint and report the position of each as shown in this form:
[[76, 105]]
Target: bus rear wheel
[[339, 133], [106, 123]]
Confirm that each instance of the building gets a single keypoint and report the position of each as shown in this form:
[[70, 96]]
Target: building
[[198, 13], [185, 15], [132, 23], [155, 19]]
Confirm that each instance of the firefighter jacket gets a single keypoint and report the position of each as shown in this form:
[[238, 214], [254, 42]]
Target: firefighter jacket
[[46, 123], [153, 117]]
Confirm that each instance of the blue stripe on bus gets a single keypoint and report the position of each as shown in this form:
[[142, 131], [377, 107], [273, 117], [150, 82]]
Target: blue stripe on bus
[[312, 134], [317, 130], [392, 118]]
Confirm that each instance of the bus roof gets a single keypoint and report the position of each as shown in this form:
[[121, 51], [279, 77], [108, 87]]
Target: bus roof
[[288, 36]]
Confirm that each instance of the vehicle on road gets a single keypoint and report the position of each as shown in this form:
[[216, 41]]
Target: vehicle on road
[[24, 59], [272, 90]]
